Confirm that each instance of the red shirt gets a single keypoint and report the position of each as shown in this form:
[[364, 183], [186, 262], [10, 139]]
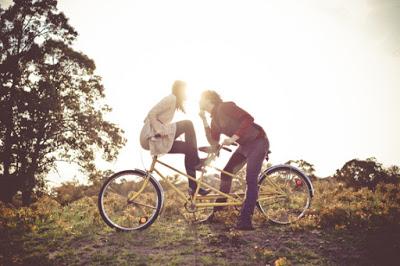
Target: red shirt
[[233, 111]]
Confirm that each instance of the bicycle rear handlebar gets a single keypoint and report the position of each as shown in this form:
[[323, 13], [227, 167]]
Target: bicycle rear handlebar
[[216, 149], [226, 148]]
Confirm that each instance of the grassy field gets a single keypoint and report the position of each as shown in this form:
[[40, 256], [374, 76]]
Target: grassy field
[[342, 228]]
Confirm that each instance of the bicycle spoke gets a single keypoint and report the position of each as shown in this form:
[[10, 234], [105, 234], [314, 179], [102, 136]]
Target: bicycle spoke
[[120, 212], [275, 185], [287, 179], [280, 199], [271, 190], [141, 204]]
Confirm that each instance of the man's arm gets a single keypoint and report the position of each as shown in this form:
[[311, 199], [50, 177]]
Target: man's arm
[[212, 134], [246, 120]]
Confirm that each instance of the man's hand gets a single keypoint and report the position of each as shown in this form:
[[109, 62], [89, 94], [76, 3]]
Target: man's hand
[[203, 117], [230, 141], [202, 114]]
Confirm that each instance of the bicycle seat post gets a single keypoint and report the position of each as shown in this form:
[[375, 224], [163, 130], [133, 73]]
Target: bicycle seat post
[[153, 163]]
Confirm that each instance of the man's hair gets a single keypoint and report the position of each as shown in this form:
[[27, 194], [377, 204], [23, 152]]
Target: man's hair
[[212, 96]]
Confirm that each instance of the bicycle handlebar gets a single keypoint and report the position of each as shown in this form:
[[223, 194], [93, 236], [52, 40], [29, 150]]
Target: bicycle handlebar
[[227, 149], [215, 149], [224, 147]]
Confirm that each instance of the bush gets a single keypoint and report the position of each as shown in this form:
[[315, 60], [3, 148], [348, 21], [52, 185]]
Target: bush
[[373, 215], [337, 206], [72, 191], [367, 173], [27, 219]]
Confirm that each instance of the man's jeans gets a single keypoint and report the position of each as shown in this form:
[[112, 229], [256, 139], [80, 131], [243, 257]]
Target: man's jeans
[[253, 153]]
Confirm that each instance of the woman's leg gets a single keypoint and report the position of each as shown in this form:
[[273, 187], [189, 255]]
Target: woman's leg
[[184, 148], [187, 147], [191, 153], [186, 127]]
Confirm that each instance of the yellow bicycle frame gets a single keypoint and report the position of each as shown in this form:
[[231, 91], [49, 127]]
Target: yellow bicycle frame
[[235, 199]]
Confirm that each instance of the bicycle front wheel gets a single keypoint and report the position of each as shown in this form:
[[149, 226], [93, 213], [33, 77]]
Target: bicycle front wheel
[[285, 194], [130, 200]]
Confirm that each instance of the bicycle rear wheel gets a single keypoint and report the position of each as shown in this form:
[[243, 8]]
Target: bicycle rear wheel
[[130, 200], [285, 194]]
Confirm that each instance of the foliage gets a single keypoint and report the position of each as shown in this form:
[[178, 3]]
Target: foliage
[[27, 219], [373, 215], [306, 167], [339, 207], [367, 173], [52, 102], [72, 191]]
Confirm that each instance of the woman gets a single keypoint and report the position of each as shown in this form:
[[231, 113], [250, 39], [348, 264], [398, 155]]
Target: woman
[[159, 134]]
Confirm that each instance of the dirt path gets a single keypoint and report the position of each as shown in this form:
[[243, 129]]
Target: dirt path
[[179, 243]]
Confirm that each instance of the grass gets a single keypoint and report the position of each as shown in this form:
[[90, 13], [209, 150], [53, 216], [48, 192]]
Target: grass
[[342, 228]]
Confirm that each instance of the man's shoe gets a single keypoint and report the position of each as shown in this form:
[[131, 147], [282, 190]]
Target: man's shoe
[[244, 227], [202, 191]]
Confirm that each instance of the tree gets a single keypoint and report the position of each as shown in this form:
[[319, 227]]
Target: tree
[[305, 166], [366, 173], [52, 103]]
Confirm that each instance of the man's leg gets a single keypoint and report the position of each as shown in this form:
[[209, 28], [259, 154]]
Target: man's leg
[[235, 163], [254, 163]]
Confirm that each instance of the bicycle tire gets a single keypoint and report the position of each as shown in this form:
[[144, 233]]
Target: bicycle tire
[[159, 201]]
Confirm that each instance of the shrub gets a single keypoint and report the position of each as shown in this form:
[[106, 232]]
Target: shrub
[[337, 206], [26, 219], [367, 173], [72, 191]]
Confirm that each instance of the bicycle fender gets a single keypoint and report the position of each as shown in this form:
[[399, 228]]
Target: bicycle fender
[[146, 173], [273, 168]]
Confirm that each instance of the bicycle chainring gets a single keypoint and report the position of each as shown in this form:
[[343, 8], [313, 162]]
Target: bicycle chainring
[[190, 207]]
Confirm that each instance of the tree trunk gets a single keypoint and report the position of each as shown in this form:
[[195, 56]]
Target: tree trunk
[[8, 122], [9, 186], [27, 189], [27, 197]]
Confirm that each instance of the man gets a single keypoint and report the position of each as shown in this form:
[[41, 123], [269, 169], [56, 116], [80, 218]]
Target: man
[[239, 126]]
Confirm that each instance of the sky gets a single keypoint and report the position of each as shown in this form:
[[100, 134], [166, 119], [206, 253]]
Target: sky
[[321, 77]]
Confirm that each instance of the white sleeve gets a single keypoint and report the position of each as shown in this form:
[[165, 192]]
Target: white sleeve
[[165, 104]]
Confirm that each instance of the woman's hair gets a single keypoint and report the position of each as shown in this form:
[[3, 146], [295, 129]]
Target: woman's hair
[[212, 96], [176, 87]]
